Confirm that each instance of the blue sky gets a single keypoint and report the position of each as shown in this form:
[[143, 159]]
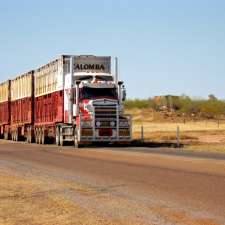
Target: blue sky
[[164, 46]]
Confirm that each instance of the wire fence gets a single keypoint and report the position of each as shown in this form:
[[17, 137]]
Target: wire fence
[[178, 133]]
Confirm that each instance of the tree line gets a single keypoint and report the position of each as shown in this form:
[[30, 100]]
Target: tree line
[[185, 105]]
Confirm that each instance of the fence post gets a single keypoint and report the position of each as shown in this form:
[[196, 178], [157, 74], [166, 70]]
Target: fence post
[[178, 136], [142, 133], [218, 123]]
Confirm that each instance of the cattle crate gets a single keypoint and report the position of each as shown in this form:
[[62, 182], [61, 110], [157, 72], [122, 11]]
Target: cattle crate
[[5, 108], [22, 90], [49, 94]]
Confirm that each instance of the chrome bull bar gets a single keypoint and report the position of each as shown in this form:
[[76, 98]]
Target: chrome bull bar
[[105, 125]]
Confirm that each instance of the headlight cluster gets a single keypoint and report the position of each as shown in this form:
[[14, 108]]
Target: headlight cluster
[[124, 124], [112, 123], [105, 123], [98, 124]]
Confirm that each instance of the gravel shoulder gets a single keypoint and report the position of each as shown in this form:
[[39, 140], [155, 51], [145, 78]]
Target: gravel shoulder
[[49, 185]]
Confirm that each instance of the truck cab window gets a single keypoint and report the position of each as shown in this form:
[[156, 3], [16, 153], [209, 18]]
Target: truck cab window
[[88, 92], [104, 78]]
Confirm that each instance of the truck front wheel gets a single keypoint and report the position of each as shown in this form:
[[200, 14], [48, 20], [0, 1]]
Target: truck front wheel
[[61, 141], [57, 135], [76, 142]]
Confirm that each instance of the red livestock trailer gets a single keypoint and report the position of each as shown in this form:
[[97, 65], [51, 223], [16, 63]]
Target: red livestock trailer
[[48, 100], [22, 104], [5, 109]]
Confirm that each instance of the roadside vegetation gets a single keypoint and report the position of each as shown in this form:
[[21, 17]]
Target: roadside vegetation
[[210, 108], [201, 121]]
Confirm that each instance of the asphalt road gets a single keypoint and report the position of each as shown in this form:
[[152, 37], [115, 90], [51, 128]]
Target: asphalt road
[[168, 182]]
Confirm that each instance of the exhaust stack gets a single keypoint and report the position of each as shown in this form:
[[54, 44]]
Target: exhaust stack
[[116, 70], [71, 88], [120, 83], [77, 97]]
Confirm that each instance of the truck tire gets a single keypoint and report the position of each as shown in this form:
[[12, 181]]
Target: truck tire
[[28, 135], [16, 135], [13, 136], [61, 141], [6, 135], [36, 135], [43, 138], [57, 136], [76, 142], [39, 136]]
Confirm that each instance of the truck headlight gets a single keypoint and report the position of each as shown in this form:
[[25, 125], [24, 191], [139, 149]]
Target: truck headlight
[[112, 123], [98, 124]]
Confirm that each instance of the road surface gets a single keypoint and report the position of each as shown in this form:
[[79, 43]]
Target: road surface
[[128, 185]]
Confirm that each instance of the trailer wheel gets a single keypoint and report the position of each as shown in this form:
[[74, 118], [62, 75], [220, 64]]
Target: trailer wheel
[[13, 138], [16, 135], [57, 135], [39, 136], [61, 137], [43, 139], [6, 135], [28, 135], [36, 135], [76, 142]]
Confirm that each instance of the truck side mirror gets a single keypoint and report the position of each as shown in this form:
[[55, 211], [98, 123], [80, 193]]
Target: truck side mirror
[[124, 93]]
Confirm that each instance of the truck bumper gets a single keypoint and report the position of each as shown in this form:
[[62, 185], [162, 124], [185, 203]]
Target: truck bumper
[[105, 139]]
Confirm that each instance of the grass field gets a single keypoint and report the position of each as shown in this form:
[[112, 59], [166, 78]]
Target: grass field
[[196, 135]]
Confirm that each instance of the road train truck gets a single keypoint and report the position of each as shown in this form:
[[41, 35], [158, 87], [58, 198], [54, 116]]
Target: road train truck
[[73, 99]]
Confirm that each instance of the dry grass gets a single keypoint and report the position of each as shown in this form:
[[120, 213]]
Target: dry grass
[[197, 140], [205, 134], [171, 127], [165, 136], [188, 131], [180, 217], [206, 147]]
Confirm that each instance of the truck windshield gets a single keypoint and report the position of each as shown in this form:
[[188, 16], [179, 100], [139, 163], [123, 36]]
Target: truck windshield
[[88, 93], [105, 78]]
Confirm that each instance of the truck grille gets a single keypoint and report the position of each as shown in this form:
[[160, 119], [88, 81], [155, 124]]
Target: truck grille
[[105, 112]]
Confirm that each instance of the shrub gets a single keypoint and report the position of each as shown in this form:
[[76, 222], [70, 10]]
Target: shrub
[[209, 108], [137, 103]]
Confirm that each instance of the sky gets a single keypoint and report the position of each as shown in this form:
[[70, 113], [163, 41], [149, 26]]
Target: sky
[[164, 46]]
